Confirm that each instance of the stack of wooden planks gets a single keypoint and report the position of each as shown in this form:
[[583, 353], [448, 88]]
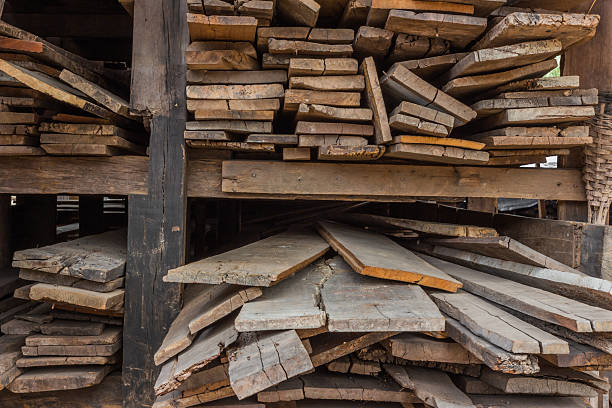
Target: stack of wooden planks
[[338, 313], [54, 102], [456, 82], [72, 338]]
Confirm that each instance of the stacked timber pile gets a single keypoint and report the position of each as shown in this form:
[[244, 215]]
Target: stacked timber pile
[[451, 82], [54, 102], [73, 339], [455, 315]]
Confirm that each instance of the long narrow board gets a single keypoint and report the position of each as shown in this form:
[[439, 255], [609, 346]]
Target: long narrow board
[[236, 77], [379, 12], [312, 112], [375, 255], [376, 102], [437, 153], [442, 141], [221, 28], [58, 379], [538, 116], [79, 297], [418, 347], [526, 401], [110, 335], [531, 142], [432, 68], [356, 303], [295, 97], [279, 256], [292, 304], [425, 113], [305, 48], [412, 125]]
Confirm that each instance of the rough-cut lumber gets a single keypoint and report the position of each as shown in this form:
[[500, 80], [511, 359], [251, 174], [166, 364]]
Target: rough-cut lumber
[[301, 12], [292, 304], [488, 107], [431, 68], [332, 35], [494, 357], [433, 387], [295, 97], [80, 297], [328, 83], [542, 84], [300, 48], [203, 306], [233, 126], [375, 100], [71, 328], [458, 29], [375, 306], [233, 115], [380, 9], [109, 336], [526, 401], [497, 326], [220, 60], [236, 77], [310, 112], [259, 361], [425, 113], [221, 28], [375, 255], [350, 153], [437, 153], [280, 33], [543, 305], [412, 125], [233, 146], [51, 361], [331, 140], [328, 347], [296, 154], [278, 257], [324, 128], [401, 84], [280, 140], [524, 26], [531, 142], [580, 355], [58, 379], [418, 347], [261, 91], [539, 116], [372, 41], [353, 365], [442, 141]]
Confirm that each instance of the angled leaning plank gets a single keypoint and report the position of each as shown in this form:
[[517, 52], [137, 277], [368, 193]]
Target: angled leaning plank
[[376, 102], [328, 347], [262, 263], [356, 303], [375, 255]]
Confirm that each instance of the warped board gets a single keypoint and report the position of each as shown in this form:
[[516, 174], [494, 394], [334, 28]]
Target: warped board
[[375, 255], [518, 27], [441, 141], [432, 68], [418, 347], [504, 248], [375, 100], [221, 28], [99, 258], [259, 361], [458, 29], [497, 326], [58, 379], [292, 304], [79, 297], [277, 258], [578, 286], [203, 306], [327, 347], [436, 153], [433, 387], [543, 305], [356, 303]]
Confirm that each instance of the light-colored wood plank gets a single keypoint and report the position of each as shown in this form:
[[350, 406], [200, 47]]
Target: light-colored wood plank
[[432, 68], [236, 77], [539, 116], [526, 401], [412, 125], [280, 33], [350, 153], [262, 91], [221, 28], [295, 97], [418, 347], [375, 100], [444, 141], [437, 153], [423, 112], [324, 128], [312, 112], [328, 83], [331, 140], [79, 297], [300, 48], [300, 12]]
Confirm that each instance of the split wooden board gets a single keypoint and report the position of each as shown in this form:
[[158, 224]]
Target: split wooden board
[[375, 255], [277, 258], [425, 113], [328, 347], [80, 297], [441, 141], [436, 153]]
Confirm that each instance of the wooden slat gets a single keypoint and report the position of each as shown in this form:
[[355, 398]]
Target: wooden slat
[[442, 141], [375, 101], [423, 112], [431, 68], [539, 116], [375, 255], [350, 153], [221, 28], [328, 347], [416, 347], [512, 401], [437, 153], [58, 379], [78, 297]]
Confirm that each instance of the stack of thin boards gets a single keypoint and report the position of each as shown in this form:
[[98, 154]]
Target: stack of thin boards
[[339, 315], [394, 80], [42, 85], [73, 339]]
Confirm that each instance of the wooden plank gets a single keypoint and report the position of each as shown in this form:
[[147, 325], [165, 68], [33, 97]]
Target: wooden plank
[[410, 124], [352, 365], [109, 336], [523, 26], [281, 33], [546, 306], [295, 97], [240, 92], [301, 48], [296, 154], [221, 28], [58, 379], [292, 304], [488, 107], [437, 153], [547, 84], [220, 60], [236, 77], [372, 41], [417, 347], [99, 350], [375, 306], [328, 83], [580, 355], [300, 12], [333, 140], [233, 115], [294, 179], [231, 126], [312, 112], [279, 140], [19, 140], [287, 252], [433, 387], [380, 9], [425, 113], [526, 401], [332, 35], [328, 347], [497, 326], [410, 47], [72, 328], [431, 68], [67, 149], [375, 100], [401, 84], [260, 361], [350, 153], [458, 29], [445, 141], [520, 142], [539, 116], [375, 255], [79, 297], [231, 146], [202, 307], [50, 361], [323, 128]]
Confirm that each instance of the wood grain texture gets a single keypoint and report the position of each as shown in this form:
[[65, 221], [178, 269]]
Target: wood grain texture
[[375, 100], [58, 379], [418, 347]]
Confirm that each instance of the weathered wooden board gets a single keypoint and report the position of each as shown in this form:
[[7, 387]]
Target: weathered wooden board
[[526, 401], [100, 258], [350, 153], [580, 355], [203, 306], [372, 41], [279, 256], [281, 33], [525, 26], [436, 153], [328, 347], [280, 140], [328, 83], [442, 141], [99, 350], [292, 304], [543, 305], [90, 129], [433, 387], [238, 92], [312, 112], [296, 154], [418, 347], [380, 9], [375, 100], [57, 379], [222, 60], [21, 151], [532, 142], [221, 28], [538, 116], [80, 297], [301, 12], [432, 68], [302, 48], [375, 255], [413, 125], [232, 146], [331, 140], [458, 29], [355, 303], [325, 128], [295, 97], [425, 113], [566, 82], [322, 66], [488, 107], [400, 84], [72, 328], [51, 361], [497, 326], [110, 335], [259, 361], [353, 365]]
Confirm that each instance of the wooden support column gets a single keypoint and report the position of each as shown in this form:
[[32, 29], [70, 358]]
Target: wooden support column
[[91, 215], [156, 222]]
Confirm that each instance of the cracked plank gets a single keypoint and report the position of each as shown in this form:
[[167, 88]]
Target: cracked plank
[[260, 361], [417, 347], [328, 347], [353, 365], [203, 306], [357, 303], [526, 401], [375, 255], [262, 263], [292, 304]]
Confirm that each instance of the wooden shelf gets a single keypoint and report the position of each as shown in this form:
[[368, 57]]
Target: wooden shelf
[[123, 175]]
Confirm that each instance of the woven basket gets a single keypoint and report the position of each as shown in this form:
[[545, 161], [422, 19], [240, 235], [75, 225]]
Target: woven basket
[[597, 171]]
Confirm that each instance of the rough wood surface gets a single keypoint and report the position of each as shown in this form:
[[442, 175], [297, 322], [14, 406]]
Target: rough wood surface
[[418, 347], [539, 116], [442, 141], [109, 336], [413, 125], [79, 297], [301, 12], [437, 153], [526, 401], [301, 48], [375, 255], [375, 101], [51, 361], [328, 83], [350, 153], [221, 28], [237, 92], [324, 128], [72, 328], [56, 379], [309, 112], [425, 113], [295, 97], [280, 256], [328, 347]]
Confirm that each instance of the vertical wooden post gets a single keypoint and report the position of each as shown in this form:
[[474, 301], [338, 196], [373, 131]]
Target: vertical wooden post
[[91, 215], [156, 222]]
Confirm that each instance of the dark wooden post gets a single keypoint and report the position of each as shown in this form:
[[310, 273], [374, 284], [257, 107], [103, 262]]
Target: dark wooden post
[[156, 222]]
